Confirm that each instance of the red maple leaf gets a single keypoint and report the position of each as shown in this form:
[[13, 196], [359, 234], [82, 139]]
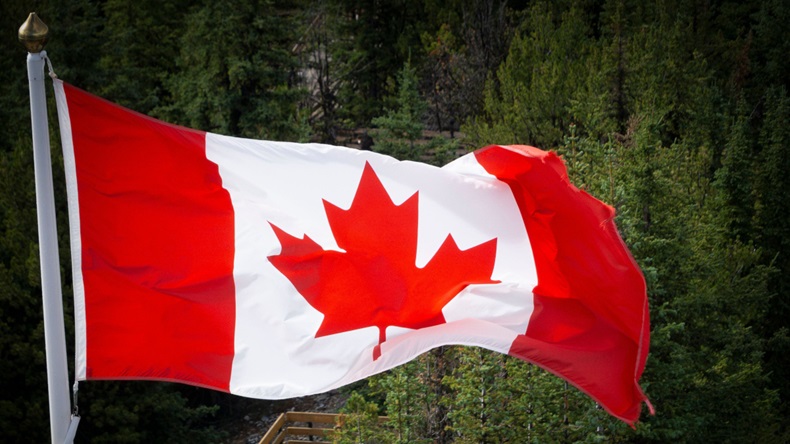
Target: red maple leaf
[[375, 281]]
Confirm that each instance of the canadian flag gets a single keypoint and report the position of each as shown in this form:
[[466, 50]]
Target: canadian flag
[[274, 270]]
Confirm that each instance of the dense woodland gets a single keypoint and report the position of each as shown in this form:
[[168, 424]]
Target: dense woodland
[[675, 112]]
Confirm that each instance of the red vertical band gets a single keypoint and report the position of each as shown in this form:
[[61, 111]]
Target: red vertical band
[[590, 323], [157, 242]]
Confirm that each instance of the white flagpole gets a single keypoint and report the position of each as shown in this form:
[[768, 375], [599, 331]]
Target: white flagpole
[[33, 34]]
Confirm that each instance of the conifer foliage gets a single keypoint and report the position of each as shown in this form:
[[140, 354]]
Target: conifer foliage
[[675, 112]]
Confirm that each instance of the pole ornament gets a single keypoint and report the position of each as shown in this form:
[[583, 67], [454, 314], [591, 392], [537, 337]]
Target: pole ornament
[[33, 34]]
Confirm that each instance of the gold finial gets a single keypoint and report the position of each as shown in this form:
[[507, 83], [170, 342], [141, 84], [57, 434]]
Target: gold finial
[[33, 33]]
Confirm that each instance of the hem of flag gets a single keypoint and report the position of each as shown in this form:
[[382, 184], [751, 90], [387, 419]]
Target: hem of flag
[[173, 380], [69, 163]]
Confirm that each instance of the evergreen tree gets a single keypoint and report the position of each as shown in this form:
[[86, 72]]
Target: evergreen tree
[[377, 39], [658, 174], [236, 72], [772, 230], [24, 394], [735, 177], [320, 72], [674, 112], [360, 423], [410, 402], [140, 42], [537, 82], [465, 47], [401, 128]]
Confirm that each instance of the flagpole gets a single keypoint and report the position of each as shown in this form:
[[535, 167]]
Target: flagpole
[[33, 34]]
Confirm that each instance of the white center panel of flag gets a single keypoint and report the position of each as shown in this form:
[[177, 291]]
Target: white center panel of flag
[[285, 184]]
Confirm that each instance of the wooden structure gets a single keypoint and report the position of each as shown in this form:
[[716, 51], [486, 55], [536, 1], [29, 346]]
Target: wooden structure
[[301, 427], [291, 426]]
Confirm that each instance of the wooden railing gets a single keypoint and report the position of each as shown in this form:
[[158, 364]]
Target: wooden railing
[[316, 427]]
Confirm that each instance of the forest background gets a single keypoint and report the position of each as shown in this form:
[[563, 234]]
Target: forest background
[[675, 112]]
